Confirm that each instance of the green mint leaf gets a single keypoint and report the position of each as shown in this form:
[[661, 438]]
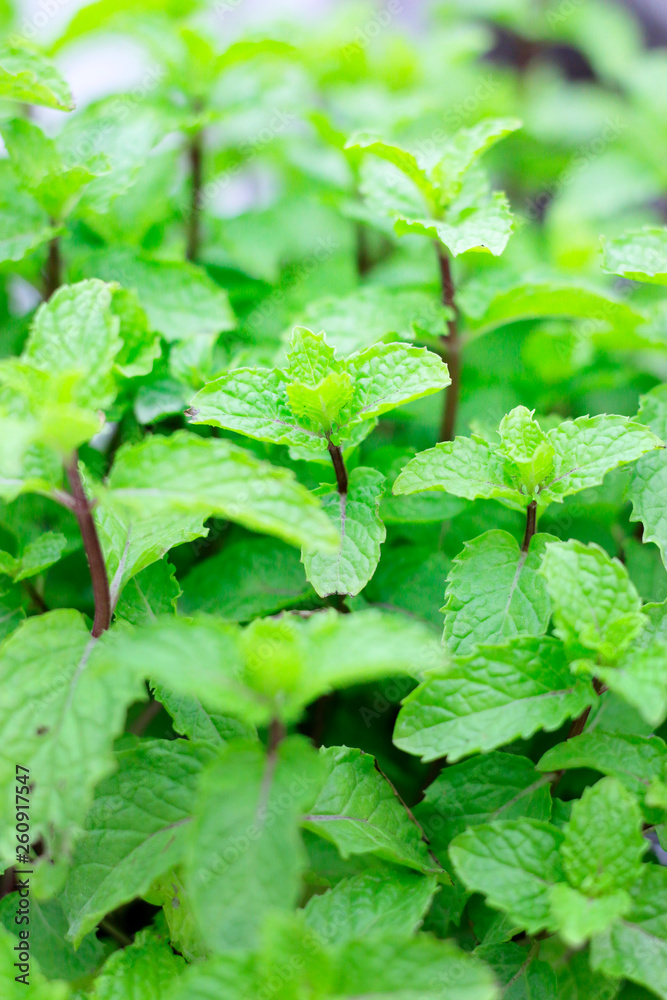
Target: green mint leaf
[[579, 917], [464, 148], [389, 375], [145, 969], [423, 967], [649, 478], [189, 718], [491, 697], [603, 843], [405, 161], [152, 592], [245, 856], [596, 607], [24, 225], [588, 448], [321, 404], [639, 679], [640, 255], [466, 467], [355, 515], [514, 864], [41, 168], [28, 76], [253, 576], [622, 950], [191, 476], [636, 761], [39, 555], [516, 604], [484, 228], [522, 975], [60, 715], [310, 359], [482, 790], [139, 837], [370, 905], [359, 811]]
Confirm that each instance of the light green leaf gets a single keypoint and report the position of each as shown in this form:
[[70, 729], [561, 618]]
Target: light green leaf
[[38, 555], [482, 790], [588, 448], [507, 301], [490, 698], [142, 971], [355, 515], [253, 576], [579, 917], [466, 467], [603, 844], [140, 347], [514, 864], [389, 375], [640, 255], [253, 401], [38, 987], [24, 225], [135, 831], [359, 811], [464, 148], [76, 336], [28, 76], [405, 161], [245, 855], [59, 718], [310, 359], [189, 718], [484, 228], [639, 678], [649, 479], [523, 441], [494, 592], [635, 948], [200, 477], [596, 607], [320, 405], [634, 760], [369, 905], [152, 592], [523, 976], [422, 968]]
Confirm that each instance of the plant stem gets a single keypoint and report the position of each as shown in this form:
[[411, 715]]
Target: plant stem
[[35, 596], [93, 549], [531, 524], [196, 158], [452, 346], [579, 724], [339, 466], [53, 269], [277, 733], [115, 932]]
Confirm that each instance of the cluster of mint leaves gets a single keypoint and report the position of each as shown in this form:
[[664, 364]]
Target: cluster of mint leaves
[[260, 766]]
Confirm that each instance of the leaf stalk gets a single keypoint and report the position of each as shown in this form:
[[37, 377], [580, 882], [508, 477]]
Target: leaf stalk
[[83, 512], [452, 347]]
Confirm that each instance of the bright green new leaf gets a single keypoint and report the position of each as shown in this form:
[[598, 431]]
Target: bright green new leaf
[[640, 255], [494, 592], [59, 719], [596, 607], [579, 917], [481, 790], [371, 905], [142, 971], [193, 477], [135, 831], [355, 515], [523, 441], [485, 228], [245, 856], [360, 812], [649, 480], [603, 844], [514, 864], [491, 697], [24, 225], [404, 160], [28, 76], [35, 558], [639, 678], [464, 148]]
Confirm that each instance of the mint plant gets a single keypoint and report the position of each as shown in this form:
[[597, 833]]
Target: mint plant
[[295, 704]]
